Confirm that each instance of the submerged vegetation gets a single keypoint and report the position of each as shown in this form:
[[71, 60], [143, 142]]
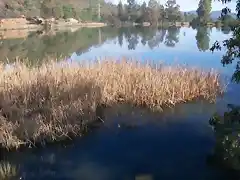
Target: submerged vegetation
[[7, 171], [227, 134], [57, 101]]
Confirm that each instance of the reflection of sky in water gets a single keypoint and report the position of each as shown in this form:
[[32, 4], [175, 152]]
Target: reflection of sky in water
[[185, 51], [171, 145]]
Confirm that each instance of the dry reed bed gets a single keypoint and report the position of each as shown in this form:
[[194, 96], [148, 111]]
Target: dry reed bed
[[51, 102]]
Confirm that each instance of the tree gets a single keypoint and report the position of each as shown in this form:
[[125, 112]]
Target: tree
[[226, 127], [185, 16], [68, 11], [47, 8], [228, 20], [153, 14], [132, 10], [120, 11], [188, 17], [172, 9], [57, 11], [144, 12], [162, 13], [203, 11], [232, 45]]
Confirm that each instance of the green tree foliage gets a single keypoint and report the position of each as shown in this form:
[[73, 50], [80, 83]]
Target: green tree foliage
[[57, 11], [162, 13], [172, 9], [120, 10], [28, 4], [68, 11], [132, 10], [47, 8], [226, 127], [144, 12], [121, 13], [154, 11], [229, 21], [50, 8], [232, 45], [188, 17], [227, 133], [203, 11]]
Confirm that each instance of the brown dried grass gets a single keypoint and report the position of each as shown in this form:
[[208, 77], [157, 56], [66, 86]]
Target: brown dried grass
[[52, 101]]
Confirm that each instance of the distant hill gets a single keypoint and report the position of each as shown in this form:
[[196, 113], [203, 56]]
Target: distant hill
[[214, 14]]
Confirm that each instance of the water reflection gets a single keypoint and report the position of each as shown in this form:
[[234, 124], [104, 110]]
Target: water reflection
[[172, 37], [146, 145], [203, 38], [153, 37], [157, 39], [8, 171], [39, 46]]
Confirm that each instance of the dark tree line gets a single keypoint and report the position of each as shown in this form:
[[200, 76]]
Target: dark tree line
[[152, 12]]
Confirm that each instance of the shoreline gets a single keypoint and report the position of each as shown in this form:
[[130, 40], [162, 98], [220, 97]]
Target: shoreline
[[23, 24]]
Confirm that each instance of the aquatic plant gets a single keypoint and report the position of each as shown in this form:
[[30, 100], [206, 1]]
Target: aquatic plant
[[227, 133], [7, 170], [58, 101]]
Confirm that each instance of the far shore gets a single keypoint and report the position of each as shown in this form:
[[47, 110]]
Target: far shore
[[23, 24]]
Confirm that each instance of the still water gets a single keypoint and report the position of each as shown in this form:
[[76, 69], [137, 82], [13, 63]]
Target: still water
[[133, 143]]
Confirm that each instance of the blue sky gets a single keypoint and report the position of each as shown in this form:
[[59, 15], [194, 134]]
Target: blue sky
[[188, 5]]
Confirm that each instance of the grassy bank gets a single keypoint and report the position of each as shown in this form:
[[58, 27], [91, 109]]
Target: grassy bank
[[52, 102]]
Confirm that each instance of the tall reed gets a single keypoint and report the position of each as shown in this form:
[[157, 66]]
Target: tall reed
[[54, 101]]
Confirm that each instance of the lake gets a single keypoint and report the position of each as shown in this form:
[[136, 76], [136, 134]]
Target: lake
[[133, 143]]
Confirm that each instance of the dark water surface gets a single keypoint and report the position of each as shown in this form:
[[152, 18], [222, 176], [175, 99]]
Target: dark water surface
[[133, 143]]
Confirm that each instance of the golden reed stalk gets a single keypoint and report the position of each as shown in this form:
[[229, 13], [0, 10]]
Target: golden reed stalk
[[50, 102]]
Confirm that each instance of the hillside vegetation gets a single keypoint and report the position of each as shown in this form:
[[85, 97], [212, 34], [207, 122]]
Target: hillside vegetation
[[15, 8]]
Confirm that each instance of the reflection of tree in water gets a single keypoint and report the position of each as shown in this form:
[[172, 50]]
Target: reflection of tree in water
[[80, 51], [144, 38], [157, 39], [226, 29], [203, 38], [37, 47], [226, 129], [131, 35], [172, 36], [132, 42], [120, 36], [147, 34], [151, 36], [8, 171]]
